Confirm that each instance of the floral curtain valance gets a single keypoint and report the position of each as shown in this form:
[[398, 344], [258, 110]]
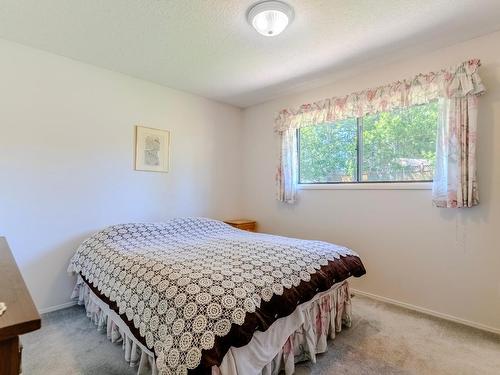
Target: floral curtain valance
[[456, 82]]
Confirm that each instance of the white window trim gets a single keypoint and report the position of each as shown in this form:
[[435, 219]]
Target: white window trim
[[368, 186]]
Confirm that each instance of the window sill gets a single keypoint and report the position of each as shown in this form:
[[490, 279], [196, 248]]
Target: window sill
[[369, 186]]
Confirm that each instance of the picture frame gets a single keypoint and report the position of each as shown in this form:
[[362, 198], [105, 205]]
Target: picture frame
[[152, 149]]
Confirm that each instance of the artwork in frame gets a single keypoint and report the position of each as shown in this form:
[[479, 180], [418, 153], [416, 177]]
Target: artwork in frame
[[152, 149]]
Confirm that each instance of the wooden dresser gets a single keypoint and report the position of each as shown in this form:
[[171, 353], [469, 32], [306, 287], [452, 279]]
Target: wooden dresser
[[249, 225], [21, 315]]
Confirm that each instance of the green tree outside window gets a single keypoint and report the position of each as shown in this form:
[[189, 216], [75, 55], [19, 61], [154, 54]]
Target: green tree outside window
[[396, 146]]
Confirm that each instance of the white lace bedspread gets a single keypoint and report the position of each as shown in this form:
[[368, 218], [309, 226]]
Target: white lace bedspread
[[187, 280]]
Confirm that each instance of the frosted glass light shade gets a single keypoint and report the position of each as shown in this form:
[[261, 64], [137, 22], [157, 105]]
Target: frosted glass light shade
[[270, 18]]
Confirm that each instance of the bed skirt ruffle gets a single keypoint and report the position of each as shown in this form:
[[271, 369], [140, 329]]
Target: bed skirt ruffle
[[296, 338]]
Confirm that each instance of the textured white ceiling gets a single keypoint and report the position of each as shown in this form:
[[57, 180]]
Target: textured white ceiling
[[206, 46]]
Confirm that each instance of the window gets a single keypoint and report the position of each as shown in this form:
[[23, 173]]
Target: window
[[396, 146]]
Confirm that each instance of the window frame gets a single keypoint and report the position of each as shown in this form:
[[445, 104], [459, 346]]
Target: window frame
[[359, 184]]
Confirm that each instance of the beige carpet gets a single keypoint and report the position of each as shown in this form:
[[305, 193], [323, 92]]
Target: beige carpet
[[383, 340]]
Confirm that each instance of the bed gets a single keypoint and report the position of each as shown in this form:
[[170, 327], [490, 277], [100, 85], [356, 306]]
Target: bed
[[195, 295]]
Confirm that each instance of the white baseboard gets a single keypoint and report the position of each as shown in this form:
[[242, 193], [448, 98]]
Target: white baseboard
[[424, 310], [57, 307]]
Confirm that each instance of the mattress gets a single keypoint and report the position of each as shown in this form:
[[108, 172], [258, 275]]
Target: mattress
[[192, 288]]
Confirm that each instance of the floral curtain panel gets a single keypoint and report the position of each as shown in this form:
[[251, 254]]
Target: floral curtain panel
[[288, 168], [455, 180], [457, 88]]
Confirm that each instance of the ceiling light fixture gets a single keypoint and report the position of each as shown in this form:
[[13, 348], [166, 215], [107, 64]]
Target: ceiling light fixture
[[270, 18]]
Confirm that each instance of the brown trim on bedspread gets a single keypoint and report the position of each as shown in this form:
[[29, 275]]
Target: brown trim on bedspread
[[268, 312]]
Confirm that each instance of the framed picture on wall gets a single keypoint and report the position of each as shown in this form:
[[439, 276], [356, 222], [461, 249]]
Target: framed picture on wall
[[152, 149]]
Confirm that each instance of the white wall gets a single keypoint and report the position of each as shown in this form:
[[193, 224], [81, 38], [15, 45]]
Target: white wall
[[444, 260], [67, 153]]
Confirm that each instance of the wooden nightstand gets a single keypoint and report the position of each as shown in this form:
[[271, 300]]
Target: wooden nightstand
[[249, 225]]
